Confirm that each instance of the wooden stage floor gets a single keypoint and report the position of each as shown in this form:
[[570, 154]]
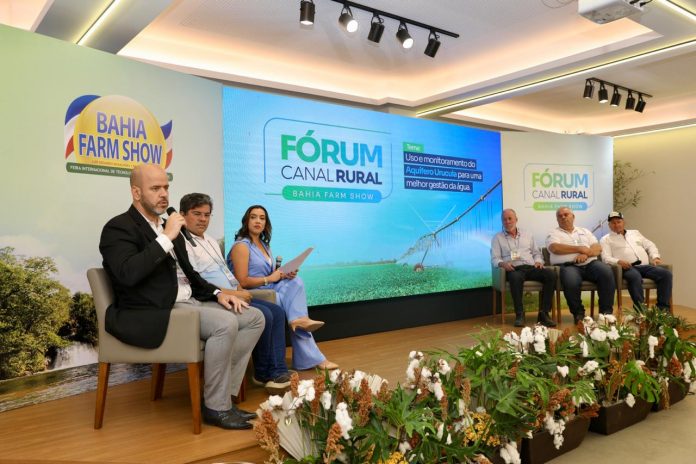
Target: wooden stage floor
[[137, 430]]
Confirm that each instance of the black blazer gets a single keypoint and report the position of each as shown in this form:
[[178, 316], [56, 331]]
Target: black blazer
[[144, 280]]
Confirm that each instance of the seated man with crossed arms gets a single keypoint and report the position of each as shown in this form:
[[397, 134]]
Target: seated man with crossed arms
[[576, 250]]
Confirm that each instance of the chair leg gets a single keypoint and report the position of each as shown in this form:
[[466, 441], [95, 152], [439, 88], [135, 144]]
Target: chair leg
[[495, 301], [647, 297], [194, 379], [592, 304], [102, 385], [241, 396], [502, 306], [558, 305], [157, 382]]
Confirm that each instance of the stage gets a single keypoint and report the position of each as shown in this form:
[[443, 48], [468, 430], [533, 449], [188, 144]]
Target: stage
[[137, 430]]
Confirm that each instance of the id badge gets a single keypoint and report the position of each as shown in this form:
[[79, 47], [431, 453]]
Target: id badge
[[514, 255], [228, 274]]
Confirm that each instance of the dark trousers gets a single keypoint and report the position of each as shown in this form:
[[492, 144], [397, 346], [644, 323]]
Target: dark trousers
[[524, 272], [269, 352], [661, 276], [598, 272]]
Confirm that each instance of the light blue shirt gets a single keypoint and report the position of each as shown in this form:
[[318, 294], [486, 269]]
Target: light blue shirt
[[503, 245]]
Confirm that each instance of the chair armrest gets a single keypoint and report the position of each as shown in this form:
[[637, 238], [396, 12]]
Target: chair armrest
[[666, 266], [264, 294], [184, 328], [499, 278]]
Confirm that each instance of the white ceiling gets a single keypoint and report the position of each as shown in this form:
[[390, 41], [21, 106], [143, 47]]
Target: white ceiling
[[490, 75]]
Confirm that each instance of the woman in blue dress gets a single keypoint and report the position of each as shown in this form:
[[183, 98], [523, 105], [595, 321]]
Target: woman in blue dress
[[252, 263]]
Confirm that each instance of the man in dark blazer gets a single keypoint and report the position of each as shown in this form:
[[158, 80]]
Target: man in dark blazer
[[146, 260]]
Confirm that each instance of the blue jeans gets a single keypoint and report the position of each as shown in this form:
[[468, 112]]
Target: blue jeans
[[598, 272], [662, 277], [269, 353]]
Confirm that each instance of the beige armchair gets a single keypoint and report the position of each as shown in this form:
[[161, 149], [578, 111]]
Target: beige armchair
[[501, 286], [648, 284], [181, 344]]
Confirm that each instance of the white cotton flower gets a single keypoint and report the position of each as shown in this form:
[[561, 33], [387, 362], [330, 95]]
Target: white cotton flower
[[411, 370], [305, 390], [539, 343], [676, 334], [630, 400], [513, 339], [275, 401], [437, 390], [355, 381], [640, 363], [627, 318], [480, 409], [652, 343], [588, 368], [343, 419], [505, 455], [585, 349], [598, 375], [448, 441], [558, 440], [443, 367], [529, 435], [326, 400], [440, 430], [613, 334], [563, 370], [686, 371], [478, 353], [415, 355], [461, 406], [692, 387], [404, 447], [334, 375], [511, 448], [598, 334], [526, 336], [426, 373]]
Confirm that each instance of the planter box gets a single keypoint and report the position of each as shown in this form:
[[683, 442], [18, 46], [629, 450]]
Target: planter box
[[540, 449], [677, 392], [618, 416]]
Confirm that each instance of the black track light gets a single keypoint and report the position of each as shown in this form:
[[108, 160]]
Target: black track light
[[307, 12], [433, 44], [403, 36], [603, 94], [376, 29], [640, 106], [347, 20], [616, 97], [630, 101], [589, 89]]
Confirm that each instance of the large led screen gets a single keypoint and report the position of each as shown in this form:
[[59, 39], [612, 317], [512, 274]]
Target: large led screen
[[393, 206]]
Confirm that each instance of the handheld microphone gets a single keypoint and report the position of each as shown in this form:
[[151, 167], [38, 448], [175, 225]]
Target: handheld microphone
[[279, 260], [186, 233]]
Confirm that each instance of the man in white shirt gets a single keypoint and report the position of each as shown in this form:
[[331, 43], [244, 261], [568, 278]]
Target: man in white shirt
[[515, 251], [270, 368], [638, 257], [576, 250]]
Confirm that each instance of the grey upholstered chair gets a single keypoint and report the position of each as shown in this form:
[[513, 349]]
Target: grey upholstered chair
[[181, 344], [501, 286], [648, 284]]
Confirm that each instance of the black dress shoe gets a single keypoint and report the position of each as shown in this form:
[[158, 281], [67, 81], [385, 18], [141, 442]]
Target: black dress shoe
[[519, 320], [224, 419], [545, 320], [245, 415], [578, 318]]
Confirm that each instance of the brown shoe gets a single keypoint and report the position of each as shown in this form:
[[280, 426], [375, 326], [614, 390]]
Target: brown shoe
[[327, 365], [305, 323]]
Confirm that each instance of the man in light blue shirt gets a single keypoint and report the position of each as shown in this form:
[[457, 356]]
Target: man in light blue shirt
[[516, 252]]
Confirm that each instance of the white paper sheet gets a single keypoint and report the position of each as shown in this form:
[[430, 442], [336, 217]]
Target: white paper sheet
[[294, 264]]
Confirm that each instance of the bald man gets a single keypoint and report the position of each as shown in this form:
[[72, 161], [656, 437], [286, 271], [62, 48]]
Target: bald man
[[146, 260], [576, 250], [515, 251]]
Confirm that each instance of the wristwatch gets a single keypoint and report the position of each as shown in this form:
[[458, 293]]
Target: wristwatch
[[265, 280], [217, 291]]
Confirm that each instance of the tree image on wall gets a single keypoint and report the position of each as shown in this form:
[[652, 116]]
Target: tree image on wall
[[37, 314]]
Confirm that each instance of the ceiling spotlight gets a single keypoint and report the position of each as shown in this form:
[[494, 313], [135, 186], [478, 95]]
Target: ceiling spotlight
[[433, 44], [376, 29], [589, 89], [603, 94], [307, 12], [616, 97], [640, 106], [403, 36], [630, 101], [347, 20]]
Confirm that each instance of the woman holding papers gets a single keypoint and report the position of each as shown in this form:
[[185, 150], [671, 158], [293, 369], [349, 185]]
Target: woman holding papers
[[252, 263]]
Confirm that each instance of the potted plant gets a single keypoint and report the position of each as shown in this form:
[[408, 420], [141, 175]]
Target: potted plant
[[625, 386], [666, 352]]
